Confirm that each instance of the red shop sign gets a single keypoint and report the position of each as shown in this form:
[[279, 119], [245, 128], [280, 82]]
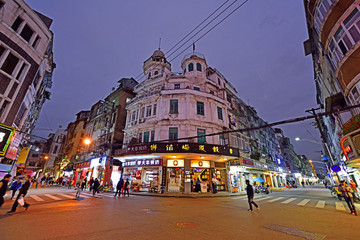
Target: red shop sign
[[86, 164]]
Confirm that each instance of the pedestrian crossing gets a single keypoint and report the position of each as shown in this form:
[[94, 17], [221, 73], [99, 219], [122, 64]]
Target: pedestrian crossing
[[319, 204]]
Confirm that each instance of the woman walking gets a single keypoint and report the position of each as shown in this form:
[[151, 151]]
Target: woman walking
[[15, 186]]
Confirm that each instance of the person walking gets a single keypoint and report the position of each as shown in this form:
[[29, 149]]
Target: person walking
[[119, 186], [15, 186], [348, 196], [126, 187], [22, 193], [83, 184], [95, 187], [91, 182], [38, 181], [3, 188], [250, 195], [354, 188], [79, 186]]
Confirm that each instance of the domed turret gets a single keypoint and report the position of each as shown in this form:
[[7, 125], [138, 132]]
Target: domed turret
[[156, 64], [158, 54]]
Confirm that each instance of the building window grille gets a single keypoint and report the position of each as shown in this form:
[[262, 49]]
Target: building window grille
[[219, 112], [26, 33], [198, 67], [17, 24], [191, 67], [174, 106], [10, 64], [140, 137], [197, 88], [173, 133], [200, 108], [152, 136], [177, 86], [201, 132], [148, 111], [146, 137], [154, 109]]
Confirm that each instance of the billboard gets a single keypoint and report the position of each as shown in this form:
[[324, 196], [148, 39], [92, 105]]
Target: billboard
[[6, 133]]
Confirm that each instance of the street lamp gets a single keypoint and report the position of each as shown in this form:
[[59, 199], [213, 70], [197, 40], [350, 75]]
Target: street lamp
[[87, 141], [309, 140]]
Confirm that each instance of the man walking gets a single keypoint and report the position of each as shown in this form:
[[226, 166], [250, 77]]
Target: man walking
[[250, 195], [3, 187], [22, 192], [347, 195], [96, 186], [119, 187], [126, 187], [15, 186]]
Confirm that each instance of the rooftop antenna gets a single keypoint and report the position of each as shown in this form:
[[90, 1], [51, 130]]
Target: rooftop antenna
[[159, 43], [193, 47]]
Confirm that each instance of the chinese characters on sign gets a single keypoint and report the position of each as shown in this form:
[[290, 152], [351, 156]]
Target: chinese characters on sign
[[143, 163], [193, 148], [86, 164], [138, 149], [247, 162]]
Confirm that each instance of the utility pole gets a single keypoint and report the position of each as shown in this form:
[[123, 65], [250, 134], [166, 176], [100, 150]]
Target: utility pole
[[323, 137]]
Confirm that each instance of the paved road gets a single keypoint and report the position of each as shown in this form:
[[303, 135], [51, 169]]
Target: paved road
[[53, 214]]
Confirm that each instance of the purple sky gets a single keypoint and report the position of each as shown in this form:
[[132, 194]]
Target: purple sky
[[259, 49]]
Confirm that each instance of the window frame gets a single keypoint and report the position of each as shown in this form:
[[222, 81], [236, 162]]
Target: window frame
[[200, 108], [200, 132], [191, 67], [174, 106], [173, 133], [198, 67], [219, 113]]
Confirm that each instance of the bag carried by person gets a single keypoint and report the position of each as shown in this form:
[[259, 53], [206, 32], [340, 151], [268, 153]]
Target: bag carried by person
[[21, 201]]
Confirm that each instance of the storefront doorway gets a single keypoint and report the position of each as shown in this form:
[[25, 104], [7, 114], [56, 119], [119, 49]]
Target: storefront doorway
[[175, 179]]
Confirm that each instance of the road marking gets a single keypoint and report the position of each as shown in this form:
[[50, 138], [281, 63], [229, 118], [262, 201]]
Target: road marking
[[320, 204], [85, 195], [52, 197], [243, 197], [36, 198], [273, 200], [303, 202], [263, 198], [289, 200], [68, 196], [339, 206], [357, 205]]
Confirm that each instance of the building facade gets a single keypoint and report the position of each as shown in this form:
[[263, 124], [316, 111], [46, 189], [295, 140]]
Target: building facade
[[26, 66], [334, 40]]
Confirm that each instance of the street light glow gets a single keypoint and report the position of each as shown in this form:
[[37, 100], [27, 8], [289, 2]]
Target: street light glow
[[87, 141], [297, 139]]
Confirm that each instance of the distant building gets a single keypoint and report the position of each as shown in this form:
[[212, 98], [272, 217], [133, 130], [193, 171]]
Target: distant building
[[55, 145]]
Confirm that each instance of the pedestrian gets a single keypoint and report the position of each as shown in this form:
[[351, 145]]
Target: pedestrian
[[126, 187], [79, 186], [22, 193], [91, 182], [95, 187], [3, 187], [347, 195], [197, 186], [119, 186], [354, 188], [214, 183], [250, 195], [303, 183], [83, 184], [15, 186], [69, 183], [38, 181]]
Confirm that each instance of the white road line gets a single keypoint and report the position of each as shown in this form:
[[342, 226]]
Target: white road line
[[68, 196], [262, 198], [85, 195], [303, 202], [357, 206], [289, 200], [339, 206], [320, 204], [52, 197], [242, 197], [275, 199], [36, 198]]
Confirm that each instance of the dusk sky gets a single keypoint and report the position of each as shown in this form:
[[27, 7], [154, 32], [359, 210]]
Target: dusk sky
[[259, 49]]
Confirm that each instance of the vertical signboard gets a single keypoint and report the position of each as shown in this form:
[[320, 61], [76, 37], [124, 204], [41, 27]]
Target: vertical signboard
[[6, 133]]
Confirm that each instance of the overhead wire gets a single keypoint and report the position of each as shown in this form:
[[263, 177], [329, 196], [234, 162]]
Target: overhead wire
[[242, 4]]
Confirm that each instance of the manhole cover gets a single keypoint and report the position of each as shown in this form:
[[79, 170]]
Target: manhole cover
[[186, 225]]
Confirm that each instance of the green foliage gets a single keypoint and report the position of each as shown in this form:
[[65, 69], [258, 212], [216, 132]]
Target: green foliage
[[351, 125]]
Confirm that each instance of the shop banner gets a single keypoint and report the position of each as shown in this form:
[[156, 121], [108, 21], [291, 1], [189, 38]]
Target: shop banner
[[265, 166], [137, 149], [234, 163], [175, 163], [246, 162], [14, 147], [6, 133], [200, 164], [257, 165], [143, 163], [23, 155], [271, 167], [86, 164], [193, 148]]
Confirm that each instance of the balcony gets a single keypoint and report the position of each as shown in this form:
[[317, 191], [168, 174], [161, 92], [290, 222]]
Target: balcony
[[351, 125]]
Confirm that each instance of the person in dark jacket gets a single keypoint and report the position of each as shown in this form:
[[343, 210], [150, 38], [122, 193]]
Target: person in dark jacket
[[91, 182], [22, 193], [3, 187], [119, 186], [126, 187], [250, 195], [15, 186], [96, 185]]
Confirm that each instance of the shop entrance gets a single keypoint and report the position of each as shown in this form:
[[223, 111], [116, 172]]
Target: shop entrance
[[200, 179], [175, 179]]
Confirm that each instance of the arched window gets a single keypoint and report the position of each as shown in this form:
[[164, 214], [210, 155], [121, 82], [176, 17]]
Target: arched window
[[191, 67], [198, 67], [149, 76], [156, 73]]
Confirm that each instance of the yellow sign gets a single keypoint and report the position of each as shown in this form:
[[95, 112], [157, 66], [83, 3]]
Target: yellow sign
[[175, 163], [23, 155], [200, 164]]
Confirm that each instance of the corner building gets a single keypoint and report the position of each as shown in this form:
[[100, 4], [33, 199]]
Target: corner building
[[169, 106]]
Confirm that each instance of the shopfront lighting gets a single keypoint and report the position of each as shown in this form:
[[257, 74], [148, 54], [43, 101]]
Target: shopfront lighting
[[225, 159], [174, 156], [202, 157]]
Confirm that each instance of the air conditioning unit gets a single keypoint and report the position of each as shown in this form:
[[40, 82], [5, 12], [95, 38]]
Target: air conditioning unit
[[142, 120]]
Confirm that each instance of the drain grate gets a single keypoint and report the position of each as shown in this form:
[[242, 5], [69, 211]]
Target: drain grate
[[186, 225], [296, 232]]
